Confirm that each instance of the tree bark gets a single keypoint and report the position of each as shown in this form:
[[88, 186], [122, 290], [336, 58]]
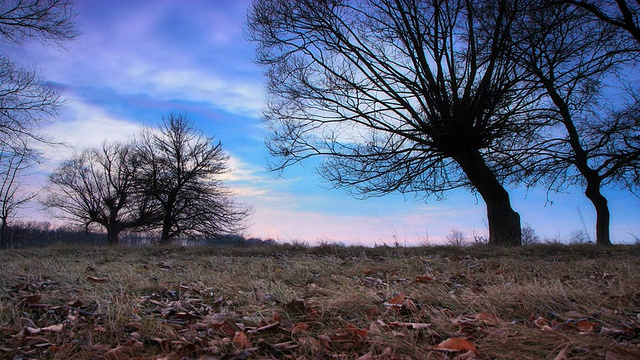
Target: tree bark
[[504, 222], [166, 228], [603, 215], [112, 236]]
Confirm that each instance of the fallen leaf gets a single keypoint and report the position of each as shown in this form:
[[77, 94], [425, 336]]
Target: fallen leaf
[[299, 328], [32, 299], [97, 279], [611, 332], [53, 328], [396, 300], [457, 344], [240, 340], [226, 327], [356, 331], [487, 318], [415, 326], [124, 351], [373, 281], [585, 325], [424, 278], [275, 317], [547, 328], [541, 322]]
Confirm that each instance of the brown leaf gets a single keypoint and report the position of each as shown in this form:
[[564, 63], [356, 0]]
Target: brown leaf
[[487, 318], [97, 279], [541, 322], [32, 299], [585, 325], [54, 328], [299, 328], [396, 300], [275, 317], [457, 344], [362, 333], [424, 278], [241, 340], [124, 351]]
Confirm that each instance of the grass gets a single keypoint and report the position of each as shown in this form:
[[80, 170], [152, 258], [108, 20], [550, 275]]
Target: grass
[[297, 302]]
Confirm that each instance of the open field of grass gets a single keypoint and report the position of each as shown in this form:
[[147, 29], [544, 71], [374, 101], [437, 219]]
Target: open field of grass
[[292, 302]]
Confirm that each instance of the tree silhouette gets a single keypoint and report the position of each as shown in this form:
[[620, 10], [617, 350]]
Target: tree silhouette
[[408, 96], [179, 168], [98, 186]]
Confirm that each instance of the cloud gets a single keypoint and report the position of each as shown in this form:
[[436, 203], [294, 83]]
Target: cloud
[[84, 126], [162, 50]]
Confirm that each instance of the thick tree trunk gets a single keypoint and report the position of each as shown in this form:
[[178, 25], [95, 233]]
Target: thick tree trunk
[[113, 234], [603, 216], [165, 237], [504, 222]]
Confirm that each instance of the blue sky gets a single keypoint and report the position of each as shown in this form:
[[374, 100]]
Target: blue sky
[[137, 60]]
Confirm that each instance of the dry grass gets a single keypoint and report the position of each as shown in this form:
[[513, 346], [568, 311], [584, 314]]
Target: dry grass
[[541, 302]]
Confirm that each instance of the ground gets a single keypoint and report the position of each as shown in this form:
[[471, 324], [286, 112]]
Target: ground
[[328, 302]]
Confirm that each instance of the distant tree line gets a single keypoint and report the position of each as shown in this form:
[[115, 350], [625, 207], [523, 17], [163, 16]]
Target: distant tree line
[[43, 234]]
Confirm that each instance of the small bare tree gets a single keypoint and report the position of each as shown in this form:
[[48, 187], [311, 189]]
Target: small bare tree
[[457, 237], [14, 169], [179, 168], [98, 186]]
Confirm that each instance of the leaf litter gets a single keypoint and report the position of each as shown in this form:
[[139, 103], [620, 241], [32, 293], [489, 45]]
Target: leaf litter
[[241, 307]]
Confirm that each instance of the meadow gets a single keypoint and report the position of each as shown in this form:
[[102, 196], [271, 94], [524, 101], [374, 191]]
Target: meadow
[[326, 302]]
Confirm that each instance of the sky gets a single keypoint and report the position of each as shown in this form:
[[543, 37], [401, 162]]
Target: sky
[[137, 60]]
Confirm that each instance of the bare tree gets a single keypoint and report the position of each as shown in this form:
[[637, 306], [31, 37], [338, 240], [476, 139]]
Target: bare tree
[[179, 168], [595, 140], [49, 21], [14, 169], [623, 14], [25, 99], [98, 186], [408, 96]]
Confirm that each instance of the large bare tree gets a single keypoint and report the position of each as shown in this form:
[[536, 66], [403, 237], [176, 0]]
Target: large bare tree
[[398, 95], [25, 98], [180, 168], [583, 67], [98, 186], [623, 14]]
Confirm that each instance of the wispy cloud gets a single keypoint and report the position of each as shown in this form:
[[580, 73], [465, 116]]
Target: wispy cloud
[[85, 126]]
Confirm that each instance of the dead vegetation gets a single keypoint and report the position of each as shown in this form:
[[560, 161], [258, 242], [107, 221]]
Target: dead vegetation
[[542, 302]]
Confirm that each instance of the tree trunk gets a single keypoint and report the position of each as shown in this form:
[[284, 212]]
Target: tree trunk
[[165, 237], [113, 234], [603, 216], [581, 162], [504, 222]]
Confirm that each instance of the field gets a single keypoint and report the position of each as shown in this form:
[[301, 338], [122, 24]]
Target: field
[[328, 302]]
